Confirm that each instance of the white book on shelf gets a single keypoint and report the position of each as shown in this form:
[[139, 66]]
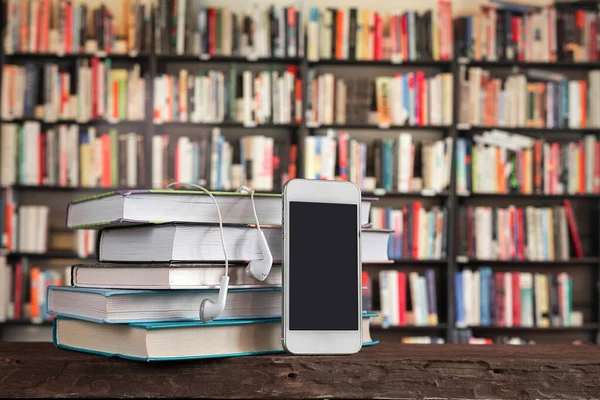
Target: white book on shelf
[[414, 294], [476, 321], [574, 104], [8, 154], [132, 160], [385, 295], [248, 97], [214, 156], [309, 157], [467, 284], [404, 161], [508, 300], [5, 289], [157, 162], [526, 284], [394, 297]]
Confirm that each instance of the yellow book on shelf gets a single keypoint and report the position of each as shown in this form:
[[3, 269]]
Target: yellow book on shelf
[[366, 26]]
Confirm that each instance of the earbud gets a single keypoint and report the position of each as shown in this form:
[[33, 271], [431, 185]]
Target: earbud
[[210, 310], [259, 269]]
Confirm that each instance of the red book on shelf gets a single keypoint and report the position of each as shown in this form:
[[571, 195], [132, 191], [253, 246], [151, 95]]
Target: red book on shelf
[[24, 26], [45, 26], [401, 298], [416, 225], [343, 154], [212, 34], [115, 102], [68, 30], [516, 299], [573, 228], [18, 290], [8, 224], [378, 45], [34, 292], [521, 233], [293, 160], [298, 94], [583, 102], [106, 158], [339, 34], [500, 309], [420, 95], [404, 43]]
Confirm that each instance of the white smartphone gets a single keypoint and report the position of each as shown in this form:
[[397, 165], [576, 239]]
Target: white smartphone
[[321, 267]]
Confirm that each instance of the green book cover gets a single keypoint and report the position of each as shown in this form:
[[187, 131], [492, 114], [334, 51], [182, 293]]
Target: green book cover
[[114, 157], [218, 31], [122, 95], [527, 306]]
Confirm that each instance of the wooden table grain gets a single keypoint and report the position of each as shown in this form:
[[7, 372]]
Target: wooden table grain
[[387, 370]]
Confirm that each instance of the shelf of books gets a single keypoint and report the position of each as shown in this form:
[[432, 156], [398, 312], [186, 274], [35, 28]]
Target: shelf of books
[[475, 134]]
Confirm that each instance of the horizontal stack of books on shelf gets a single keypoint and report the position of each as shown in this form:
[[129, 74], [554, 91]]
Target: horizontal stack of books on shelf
[[419, 234], [408, 298], [411, 99], [23, 289], [530, 99], [515, 299], [95, 90], [62, 27], [249, 97], [192, 28], [70, 156], [502, 30], [365, 34], [264, 164], [497, 162], [155, 276], [392, 165], [523, 234]]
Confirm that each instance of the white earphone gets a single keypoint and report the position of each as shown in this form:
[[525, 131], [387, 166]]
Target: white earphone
[[256, 269]]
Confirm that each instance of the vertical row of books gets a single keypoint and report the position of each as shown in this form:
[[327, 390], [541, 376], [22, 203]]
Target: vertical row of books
[[497, 162], [413, 98], [70, 156], [260, 162], [408, 298], [90, 90], [419, 234], [23, 228], [520, 299], [63, 27], [251, 98], [502, 30], [253, 308], [190, 27], [531, 98], [514, 233], [392, 165], [23, 287], [366, 34]]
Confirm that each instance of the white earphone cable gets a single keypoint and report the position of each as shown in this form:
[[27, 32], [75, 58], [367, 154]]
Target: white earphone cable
[[170, 185]]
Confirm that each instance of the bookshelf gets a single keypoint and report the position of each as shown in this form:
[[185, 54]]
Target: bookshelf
[[154, 64]]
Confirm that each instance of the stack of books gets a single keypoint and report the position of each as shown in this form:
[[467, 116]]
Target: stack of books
[[142, 299]]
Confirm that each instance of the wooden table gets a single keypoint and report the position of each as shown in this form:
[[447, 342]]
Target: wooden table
[[384, 371]]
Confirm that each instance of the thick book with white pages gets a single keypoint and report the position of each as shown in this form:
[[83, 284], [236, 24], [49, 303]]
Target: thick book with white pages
[[202, 243], [127, 306], [159, 206], [166, 276], [161, 341]]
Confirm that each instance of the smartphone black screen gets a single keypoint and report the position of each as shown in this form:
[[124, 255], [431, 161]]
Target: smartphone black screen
[[323, 266]]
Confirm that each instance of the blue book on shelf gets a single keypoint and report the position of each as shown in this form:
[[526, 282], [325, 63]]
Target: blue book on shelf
[[430, 234], [545, 227], [318, 157], [175, 107], [484, 291], [458, 296], [461, 153], [564, 100], [388, 150], [405, 94]]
